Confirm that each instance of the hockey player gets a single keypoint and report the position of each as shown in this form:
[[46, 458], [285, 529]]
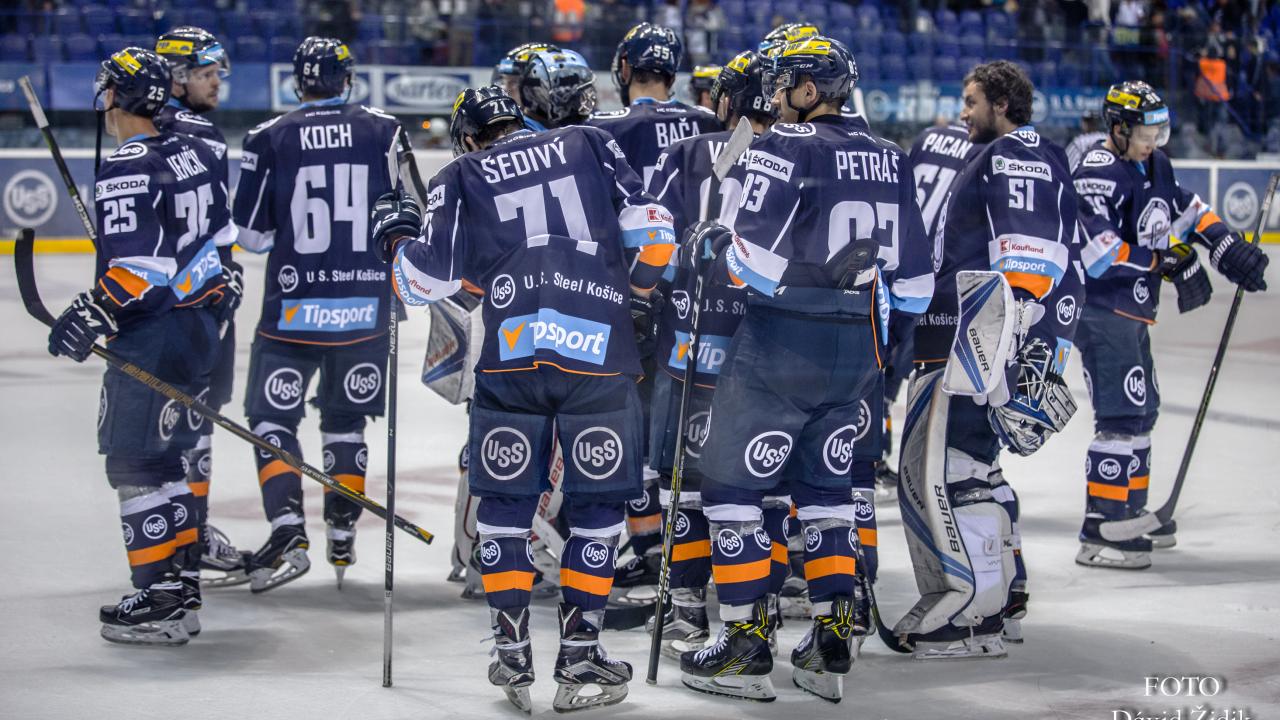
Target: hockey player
[[1010, 210], [1131, 204], [1090, 136], [198, 63], [828, 238], [557, 88], [568, 236], [700, 83], [510, 69], [308, 179], [644, 69], [161, 208], [684, 183]]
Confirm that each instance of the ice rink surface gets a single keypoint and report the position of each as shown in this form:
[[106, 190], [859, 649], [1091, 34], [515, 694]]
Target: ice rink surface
[[1210, 606]]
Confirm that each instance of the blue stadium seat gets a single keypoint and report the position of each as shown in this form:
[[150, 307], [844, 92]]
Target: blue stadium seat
[[868, 71], [1000, 25], [1069, 74], [788, 9], [893, 67], [133, 20], [971, 22], [967, 63], [1002, 49], [109, 43], [947, 45], [66, 21], [920, 66], [737, 8], [146, 42], [945, 69], [1044, 74], [98, 18], [269, 24], [371, 27], [815, 11], [201, 17], [46, 49], [868, 42], [892, 41], [946, 21], [840, 12], [920, 43], [282, 49], [868, 17], [15, 46], [972, 44], [237, 24], [250, 49], [81, 48]]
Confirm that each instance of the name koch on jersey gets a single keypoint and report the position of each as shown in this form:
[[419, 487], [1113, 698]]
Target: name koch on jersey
[[555, 227], [162, 212], [307, 181]]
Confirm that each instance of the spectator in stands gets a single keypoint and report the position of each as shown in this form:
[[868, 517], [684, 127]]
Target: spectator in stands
[[568, 20], [1211, 89], [703, 23], [332, 18], [607, 22], [428, 28]]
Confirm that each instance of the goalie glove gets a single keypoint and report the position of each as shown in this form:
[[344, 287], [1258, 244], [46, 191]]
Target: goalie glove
[[1240, 262], [1039, 402], [1181, 266]]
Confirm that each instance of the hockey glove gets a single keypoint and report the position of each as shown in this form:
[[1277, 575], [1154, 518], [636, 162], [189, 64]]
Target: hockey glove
[[644, 317], [396, 218], [1039, 405], [75, 331], [232, 292], [1181, 266], [706, 240], [1242, 263]]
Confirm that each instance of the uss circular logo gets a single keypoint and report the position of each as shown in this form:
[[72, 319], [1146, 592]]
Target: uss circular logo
[[502, 290], [1240, 205], [767, 453], [30, 198]]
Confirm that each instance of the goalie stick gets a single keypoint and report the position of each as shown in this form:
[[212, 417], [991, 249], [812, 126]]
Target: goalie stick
[[1133, 527], [24, 266]]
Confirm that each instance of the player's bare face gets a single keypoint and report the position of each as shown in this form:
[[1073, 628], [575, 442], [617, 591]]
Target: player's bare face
[[109, 117], [1143, 141], [978, 114], [202, 88]]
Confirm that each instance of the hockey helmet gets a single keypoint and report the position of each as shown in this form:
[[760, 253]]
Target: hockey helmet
[[702, 80], [647, 47], [787, 33], [478, 108], [141, 82], [558, 85], [322, 67], [512, 64], [827, 62], [189, 47], [742, 81], [1134, 103]]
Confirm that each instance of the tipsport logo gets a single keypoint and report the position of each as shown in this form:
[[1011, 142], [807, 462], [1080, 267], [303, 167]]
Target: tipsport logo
[[565, 335], [362, 383], [332, 315], [505, 453], [362, 458], [595, 555], [283, 388], [767, 453], [197, 272], [102, 407], [712, 352], [597, 452]]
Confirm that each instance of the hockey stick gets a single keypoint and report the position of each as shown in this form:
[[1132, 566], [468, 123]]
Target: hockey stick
[[24, 266], [738, 143], [42, 122], [1134, 527], [388, 582]]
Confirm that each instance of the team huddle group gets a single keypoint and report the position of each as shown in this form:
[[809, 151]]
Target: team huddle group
[[681, 317]]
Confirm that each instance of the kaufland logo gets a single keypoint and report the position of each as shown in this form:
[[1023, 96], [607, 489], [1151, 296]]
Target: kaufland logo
[[1007, 246]]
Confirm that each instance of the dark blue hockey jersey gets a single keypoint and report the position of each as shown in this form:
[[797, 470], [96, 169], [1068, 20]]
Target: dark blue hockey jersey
[[647, 127], [683, 183], [162, 211], [307, 181], [1011, 209], [1129, 211], [809, 190], [176, 117], [544, 223], [937, 156]]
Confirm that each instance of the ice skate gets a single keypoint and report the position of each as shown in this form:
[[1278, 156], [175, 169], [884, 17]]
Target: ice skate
[[960, 643], [191, 601], [1097, 551], [827, 652], [281, 560], [222, 565], [150, 616], [638, 577], [1165, 536], [1014, 611], [513, 670], [341, 541], [582, 662], [686, 625], [886, 481], [793, 599], [738, 664]]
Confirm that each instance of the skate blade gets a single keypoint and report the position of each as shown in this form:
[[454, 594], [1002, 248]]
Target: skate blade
[[975, 648], [1163, 542], [673, 649], [456, 575], [569, 697], [228, 578], [191, 623], [757, 688], [638, 596], [170, 633], [293, 565], [795, 607], [339, 571], [1012, 632], [519, 696], [828, 686], [1093, 555]]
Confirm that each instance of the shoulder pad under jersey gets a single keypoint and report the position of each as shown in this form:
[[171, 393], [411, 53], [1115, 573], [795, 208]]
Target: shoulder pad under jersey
[[793, 129], [377, 111], [610, 114], [1098, 157], [265, 124], [128, 151], [187, 116]]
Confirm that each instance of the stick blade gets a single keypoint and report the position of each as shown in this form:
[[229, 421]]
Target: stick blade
[[738, 143], [24, 265]]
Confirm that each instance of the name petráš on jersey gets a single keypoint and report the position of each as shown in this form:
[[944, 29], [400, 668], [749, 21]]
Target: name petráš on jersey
[[864, 165]]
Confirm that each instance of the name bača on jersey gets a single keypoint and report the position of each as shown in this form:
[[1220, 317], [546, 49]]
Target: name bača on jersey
[[307, 181]]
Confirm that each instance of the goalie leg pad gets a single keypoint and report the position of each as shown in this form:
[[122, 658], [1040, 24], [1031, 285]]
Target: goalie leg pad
[[453, 347]]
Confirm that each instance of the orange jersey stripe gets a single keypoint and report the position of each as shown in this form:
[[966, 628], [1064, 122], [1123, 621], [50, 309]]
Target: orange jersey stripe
[[186, 537], [593, 584], [656, 255], [833, 565], [273, 469], [155, 553], [1037, 285], [132, 284], [691, 550], [1139, 482], [779, 553], [746, 572], [510, 580], [199, 489], [1206, 220], [355, 482], [867, 536], [645, 524], [1109, 492]]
